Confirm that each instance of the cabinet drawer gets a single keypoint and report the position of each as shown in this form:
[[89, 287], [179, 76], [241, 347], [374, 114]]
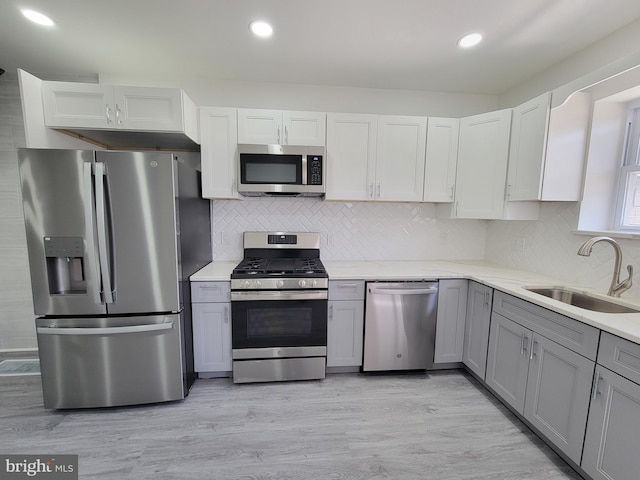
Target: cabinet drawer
[[346, 290], [575, 335], [620, 355], [206, 292]]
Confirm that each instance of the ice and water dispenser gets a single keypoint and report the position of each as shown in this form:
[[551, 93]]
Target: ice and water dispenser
[[65, 265]]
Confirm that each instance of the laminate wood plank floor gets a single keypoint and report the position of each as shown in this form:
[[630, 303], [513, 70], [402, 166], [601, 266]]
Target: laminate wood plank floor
[[437, 425]]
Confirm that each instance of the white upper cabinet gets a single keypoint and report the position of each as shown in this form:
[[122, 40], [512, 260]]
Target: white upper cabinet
[[399, 172], [483, 151], [219, 152], [378, 158], [547, 150], [107, 107], [351, 155], [441, 159], [268, 127]]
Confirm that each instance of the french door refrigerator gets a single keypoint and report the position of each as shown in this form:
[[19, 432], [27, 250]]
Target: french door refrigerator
[[112, 239]]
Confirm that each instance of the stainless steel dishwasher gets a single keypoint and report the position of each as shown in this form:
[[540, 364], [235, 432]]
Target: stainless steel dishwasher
[[400, 325]]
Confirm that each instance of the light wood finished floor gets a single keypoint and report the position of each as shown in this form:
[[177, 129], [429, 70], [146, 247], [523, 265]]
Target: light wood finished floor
[[423, 426]]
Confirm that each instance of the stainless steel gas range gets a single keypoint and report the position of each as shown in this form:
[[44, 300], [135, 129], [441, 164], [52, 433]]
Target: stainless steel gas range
[[279, 308]]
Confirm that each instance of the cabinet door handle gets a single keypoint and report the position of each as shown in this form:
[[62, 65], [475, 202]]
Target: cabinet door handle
[[286, 135], [118, 119], [108, 113], [451, 195], [347, 285], [371, 190], [330, 312], [532, 353], [596, 383], [226, 314], [278, 133], [522, 340], [378, 189], [507, 193]]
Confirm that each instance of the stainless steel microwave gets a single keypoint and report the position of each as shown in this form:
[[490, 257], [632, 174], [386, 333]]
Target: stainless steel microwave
[[281, 170]]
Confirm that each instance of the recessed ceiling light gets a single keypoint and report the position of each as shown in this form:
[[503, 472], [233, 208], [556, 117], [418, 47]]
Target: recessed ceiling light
[[37, 17], [261, 29], [470, 40]]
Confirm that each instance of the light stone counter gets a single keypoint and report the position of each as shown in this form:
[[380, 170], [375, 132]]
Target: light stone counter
[[625, 325]]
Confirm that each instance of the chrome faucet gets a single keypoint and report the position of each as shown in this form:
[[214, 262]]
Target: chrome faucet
[[617, 287]]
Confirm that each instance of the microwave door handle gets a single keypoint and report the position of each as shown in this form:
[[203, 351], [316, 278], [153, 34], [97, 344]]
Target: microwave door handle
[[102, 232], [89, 220]]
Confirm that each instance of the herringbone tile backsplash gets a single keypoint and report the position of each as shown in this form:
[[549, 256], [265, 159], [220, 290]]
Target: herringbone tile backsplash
[[410, 231], [350, 231]]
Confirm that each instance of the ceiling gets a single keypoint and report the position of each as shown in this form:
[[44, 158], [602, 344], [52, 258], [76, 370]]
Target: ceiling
[[396, 44]]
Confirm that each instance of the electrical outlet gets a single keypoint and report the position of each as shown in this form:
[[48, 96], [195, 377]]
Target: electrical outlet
[[444, 238], [224, 238], [517, 244], [329, 240]]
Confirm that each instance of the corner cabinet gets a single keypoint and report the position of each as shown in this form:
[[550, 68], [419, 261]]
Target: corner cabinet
[[211, 311], [611, 442], [451, 320], [483, 152], [541, 364], [441, 159], [106, 107], [265, 127], [547, 149], [476, 332], [375, 157], [345, 323], [219, 152]]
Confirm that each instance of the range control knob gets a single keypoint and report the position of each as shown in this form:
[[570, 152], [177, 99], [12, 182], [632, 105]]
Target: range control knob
[[258, 283], [280, 283], [246, 284], [302, 283], [313, 283]]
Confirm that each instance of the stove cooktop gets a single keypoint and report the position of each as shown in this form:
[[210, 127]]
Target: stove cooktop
[[280, 267]]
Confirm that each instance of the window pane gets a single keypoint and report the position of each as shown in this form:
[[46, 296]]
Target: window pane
[[631, 213]]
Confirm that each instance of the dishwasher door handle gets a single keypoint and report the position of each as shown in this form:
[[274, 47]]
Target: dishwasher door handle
[[404, 291]]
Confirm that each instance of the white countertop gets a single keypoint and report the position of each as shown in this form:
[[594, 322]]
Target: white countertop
[[625, 325]]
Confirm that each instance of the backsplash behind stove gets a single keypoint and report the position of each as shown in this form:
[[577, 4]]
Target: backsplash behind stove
[[350, 230]]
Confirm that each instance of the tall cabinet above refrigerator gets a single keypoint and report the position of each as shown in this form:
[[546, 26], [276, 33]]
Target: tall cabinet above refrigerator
[[113, 238]]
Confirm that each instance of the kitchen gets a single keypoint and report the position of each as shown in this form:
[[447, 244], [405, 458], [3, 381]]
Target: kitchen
[[544, 246]]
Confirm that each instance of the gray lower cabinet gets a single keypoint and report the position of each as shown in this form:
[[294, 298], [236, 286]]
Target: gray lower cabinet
[[345, 323], [476, 332], [211, 310], [611, 443], [544, 381], [452, 312]]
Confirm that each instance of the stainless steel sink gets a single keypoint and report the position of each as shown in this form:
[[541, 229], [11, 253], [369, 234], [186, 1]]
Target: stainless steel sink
[[581, 300]]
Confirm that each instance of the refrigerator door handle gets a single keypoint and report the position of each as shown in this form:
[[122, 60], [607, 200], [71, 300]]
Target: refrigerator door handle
[[167, 325], [89, 220], [102, 233]]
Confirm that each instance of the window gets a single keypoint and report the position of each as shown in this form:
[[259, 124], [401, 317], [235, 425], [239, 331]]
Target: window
[[628, 201]]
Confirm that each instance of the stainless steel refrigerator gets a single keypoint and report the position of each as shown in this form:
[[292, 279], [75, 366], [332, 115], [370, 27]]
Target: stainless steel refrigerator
[[112, 239]]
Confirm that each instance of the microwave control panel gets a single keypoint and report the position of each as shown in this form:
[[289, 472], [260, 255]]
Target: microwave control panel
[[314, 170]]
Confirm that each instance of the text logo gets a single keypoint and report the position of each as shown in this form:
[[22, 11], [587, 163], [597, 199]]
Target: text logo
[[50, 467]]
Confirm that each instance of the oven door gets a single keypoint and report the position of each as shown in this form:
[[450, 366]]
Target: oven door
[[276, 319]]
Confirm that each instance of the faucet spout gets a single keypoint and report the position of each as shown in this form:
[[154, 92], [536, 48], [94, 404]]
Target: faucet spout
[[617, 287]]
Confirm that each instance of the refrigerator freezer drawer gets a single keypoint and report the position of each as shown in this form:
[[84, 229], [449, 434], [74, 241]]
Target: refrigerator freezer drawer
[[104, 362]]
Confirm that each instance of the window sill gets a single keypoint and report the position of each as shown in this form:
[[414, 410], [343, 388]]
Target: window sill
[[608, 233]]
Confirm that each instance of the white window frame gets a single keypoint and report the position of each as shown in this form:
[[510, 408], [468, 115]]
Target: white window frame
[[628, 193]]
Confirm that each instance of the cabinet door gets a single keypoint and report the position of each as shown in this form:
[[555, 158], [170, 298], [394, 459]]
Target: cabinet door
[[304, 128], [400, 158], [79, 105], [508, 360], [345, 330], [351, 156], [452, 313], [557, 399], [527, 148], [476, 333], [441, 159], [262, 127], [611, 442], [481, 176], [219, 151], [149, 109], [212, 337]]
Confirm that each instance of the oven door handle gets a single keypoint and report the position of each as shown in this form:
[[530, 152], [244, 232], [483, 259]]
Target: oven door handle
[[279, 295]]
